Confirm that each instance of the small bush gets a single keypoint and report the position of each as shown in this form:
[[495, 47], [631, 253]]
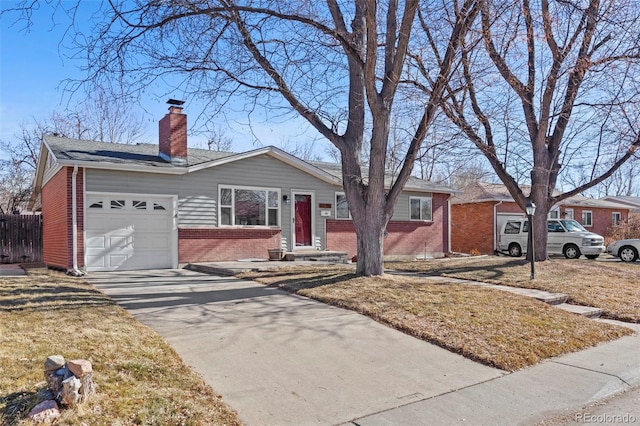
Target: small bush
[[627, 229]]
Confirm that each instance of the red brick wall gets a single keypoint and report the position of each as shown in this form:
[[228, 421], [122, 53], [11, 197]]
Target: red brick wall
[[472, 227], [173, 133], [209, 245], [601, 217], [472, 224], [404, 238], [508, 207], [57, 219]]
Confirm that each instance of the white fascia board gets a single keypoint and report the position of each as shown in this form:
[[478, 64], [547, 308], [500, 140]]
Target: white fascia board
[[439, 190], [484, 200]]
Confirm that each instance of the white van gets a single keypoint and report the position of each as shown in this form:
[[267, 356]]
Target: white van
[[565, 237]]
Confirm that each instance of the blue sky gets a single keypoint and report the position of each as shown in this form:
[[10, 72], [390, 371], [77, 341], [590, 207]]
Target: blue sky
[[33, 66]]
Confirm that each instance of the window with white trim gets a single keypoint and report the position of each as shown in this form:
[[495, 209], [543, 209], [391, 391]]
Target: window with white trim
[[616, 218], [554, 213], [342, 208], [248, 206], [587, 218], [420, 208]]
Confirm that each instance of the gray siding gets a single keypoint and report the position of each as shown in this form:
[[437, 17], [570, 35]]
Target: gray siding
[[197, 192]]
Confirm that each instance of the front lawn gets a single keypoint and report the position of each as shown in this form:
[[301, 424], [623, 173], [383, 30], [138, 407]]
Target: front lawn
[[490, 326], [140, 378], [611, 286]]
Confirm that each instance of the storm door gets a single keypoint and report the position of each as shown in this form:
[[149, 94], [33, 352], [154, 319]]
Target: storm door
[[303, 220]]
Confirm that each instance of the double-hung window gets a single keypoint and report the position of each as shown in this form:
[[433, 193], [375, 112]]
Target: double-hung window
[[342, 208], [587, 218], [247, 206], [420, 208], [616, 218]]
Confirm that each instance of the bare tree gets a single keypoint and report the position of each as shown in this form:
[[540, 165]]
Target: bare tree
[[15, 186], [217, 140], [95, 121], [545, 85], [107, 116], [338, 65]]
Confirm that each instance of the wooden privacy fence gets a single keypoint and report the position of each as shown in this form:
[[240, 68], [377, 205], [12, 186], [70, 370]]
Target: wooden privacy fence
[[20, 238]]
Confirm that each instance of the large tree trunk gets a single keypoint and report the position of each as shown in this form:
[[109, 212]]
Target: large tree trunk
[[370, 237], [539, 235]]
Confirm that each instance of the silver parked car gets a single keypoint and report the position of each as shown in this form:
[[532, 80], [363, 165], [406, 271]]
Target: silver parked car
[[626, 250]]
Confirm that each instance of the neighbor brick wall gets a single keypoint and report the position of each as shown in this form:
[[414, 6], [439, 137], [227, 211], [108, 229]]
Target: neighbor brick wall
[[472, 227], [57, 219], [220, 244], [404, 238], [601, 217]]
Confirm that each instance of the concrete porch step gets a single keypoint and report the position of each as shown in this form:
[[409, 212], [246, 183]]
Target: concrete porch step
[[316, 256], [586, 311]]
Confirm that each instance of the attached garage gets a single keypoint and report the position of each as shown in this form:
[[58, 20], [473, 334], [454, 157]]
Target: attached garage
[[129, 231]]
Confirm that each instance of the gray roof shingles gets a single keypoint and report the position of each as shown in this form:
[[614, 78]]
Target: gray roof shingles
[[147, 155]]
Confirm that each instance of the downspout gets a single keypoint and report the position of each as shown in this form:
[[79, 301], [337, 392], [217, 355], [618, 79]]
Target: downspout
[[495, 226], [74, 223], [449, 224]]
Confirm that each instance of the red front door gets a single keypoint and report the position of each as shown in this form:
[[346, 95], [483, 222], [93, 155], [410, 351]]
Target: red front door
[[303, 219]]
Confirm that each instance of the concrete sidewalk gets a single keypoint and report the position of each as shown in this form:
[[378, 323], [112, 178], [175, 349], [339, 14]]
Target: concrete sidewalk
[[561, 386], [281, 359], [11, 270]]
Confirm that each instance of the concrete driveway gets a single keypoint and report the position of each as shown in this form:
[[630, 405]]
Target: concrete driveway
[[282, 359]]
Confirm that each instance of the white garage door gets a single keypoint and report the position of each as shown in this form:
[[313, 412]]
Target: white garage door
[[127, 232]]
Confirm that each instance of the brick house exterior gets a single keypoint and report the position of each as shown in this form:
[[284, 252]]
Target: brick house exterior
[[478, 213], [57, 224], [404, 238], [150, 206]]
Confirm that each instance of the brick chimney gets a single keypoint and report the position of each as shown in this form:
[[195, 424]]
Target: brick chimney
[[173, 135]]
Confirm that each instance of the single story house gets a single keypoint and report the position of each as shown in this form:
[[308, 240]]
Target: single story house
[[632, 202], [110, 206], [480, 211]]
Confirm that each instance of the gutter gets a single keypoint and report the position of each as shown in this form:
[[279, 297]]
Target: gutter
[[74, 223]]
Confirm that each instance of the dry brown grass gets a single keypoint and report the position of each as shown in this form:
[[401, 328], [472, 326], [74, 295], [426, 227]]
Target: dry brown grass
[[497, 328], [611, 286], [141, 380]]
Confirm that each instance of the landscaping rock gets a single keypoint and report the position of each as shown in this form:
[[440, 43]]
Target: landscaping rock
[[45, 412], [54, 362], [71, 383], [70, 395], [80, 367]]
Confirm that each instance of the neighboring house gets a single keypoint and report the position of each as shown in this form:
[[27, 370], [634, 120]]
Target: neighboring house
[[112, 206], [632, 202], [480, 211]]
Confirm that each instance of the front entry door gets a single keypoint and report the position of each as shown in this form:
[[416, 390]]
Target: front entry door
[[303, 210]]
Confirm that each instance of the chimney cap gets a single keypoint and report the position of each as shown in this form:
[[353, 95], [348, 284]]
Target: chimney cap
[[175, 102]]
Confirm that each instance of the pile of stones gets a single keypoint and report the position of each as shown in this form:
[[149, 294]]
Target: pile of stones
[[70, 383]]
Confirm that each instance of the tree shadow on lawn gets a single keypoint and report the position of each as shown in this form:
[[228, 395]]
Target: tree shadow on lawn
[[296, 282], [491, 271], [15, 406], [41, 298]]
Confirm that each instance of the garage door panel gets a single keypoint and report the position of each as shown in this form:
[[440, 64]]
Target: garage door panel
[[131, 235], [96, 242]]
